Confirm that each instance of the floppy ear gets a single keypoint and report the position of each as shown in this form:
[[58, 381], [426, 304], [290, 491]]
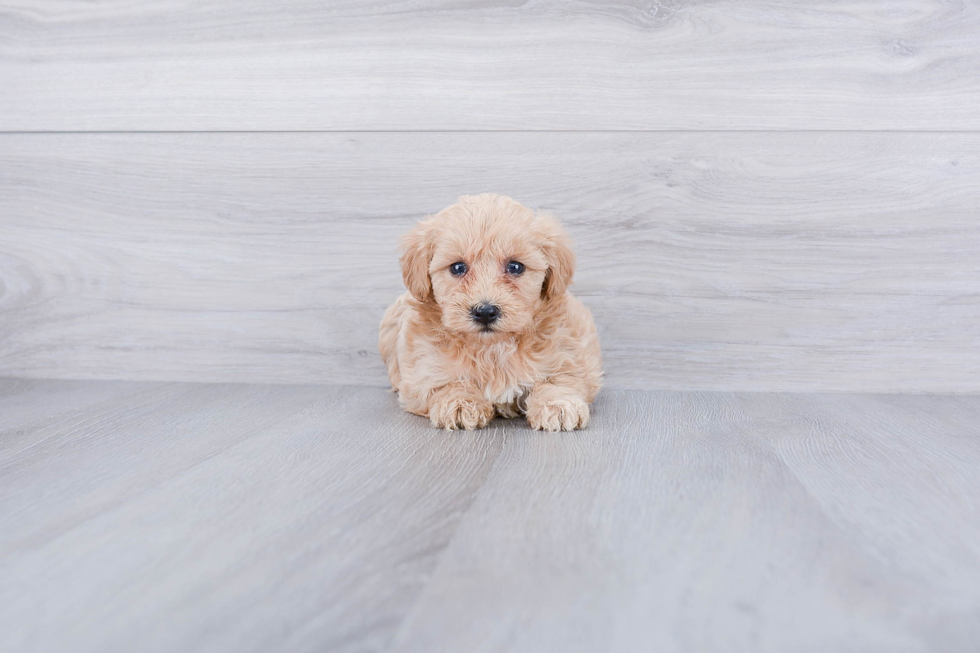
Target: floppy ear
[[557, 249], [417, 246]]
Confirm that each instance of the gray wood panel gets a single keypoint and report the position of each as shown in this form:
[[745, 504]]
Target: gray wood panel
[[225, 518], [462, 64], [252, 518], [718, 522], [736, 261]]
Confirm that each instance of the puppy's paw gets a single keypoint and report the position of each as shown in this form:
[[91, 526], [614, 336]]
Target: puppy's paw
[[459, 410], [557, 412]]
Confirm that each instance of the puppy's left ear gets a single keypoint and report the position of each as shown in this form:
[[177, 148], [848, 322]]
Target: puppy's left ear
[[417, 249], [557, 249]]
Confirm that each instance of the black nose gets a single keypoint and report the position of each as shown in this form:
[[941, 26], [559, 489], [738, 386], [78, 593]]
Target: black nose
[[485, 313]]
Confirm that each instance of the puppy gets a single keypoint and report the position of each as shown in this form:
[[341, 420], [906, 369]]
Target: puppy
[[487, 326]]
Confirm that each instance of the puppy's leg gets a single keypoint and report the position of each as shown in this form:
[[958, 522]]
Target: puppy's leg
[[457, 407], [391, 325], [557, 405]]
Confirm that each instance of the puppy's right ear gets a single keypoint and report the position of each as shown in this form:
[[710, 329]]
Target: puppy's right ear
[[417, 248]]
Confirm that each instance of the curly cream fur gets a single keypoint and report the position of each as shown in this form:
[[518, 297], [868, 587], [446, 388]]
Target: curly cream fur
[[541, 359]]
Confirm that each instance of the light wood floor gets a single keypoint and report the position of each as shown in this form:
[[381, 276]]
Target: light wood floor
[[197, 517]]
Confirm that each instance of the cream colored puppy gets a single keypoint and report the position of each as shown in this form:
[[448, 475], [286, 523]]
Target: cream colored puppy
[[487, 326]]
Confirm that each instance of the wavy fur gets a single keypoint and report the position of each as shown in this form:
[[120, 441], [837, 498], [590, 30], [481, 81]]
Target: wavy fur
[[542, 358]]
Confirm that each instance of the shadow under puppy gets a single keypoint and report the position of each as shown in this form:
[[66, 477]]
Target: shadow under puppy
[[487, 326]]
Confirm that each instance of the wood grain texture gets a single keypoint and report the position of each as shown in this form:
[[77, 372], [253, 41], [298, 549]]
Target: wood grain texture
[[718, 522], [462, 64], [295, 518], [225, 518], [737, 261]]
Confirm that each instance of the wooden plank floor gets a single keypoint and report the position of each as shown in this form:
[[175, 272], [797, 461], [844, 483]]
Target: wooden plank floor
[[166, 516]]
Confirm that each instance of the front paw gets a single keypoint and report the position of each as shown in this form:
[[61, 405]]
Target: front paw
[[557, 412], [459, 410]]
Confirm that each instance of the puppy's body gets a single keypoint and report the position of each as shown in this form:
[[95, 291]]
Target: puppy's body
[[537, 353], [500, 373]]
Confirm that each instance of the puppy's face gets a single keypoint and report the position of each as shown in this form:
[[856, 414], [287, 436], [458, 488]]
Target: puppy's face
[[488, 263]]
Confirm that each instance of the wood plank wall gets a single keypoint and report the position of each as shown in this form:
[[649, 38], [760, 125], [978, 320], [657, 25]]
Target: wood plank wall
[[764, 196]]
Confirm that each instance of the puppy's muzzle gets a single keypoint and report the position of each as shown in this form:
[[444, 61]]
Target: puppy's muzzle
[[485, 314]]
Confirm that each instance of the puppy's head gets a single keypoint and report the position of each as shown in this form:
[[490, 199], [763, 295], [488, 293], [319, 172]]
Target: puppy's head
[[488, 263]]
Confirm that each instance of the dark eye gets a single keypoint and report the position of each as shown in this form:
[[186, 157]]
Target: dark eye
[[515, 268], [457, 269]]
